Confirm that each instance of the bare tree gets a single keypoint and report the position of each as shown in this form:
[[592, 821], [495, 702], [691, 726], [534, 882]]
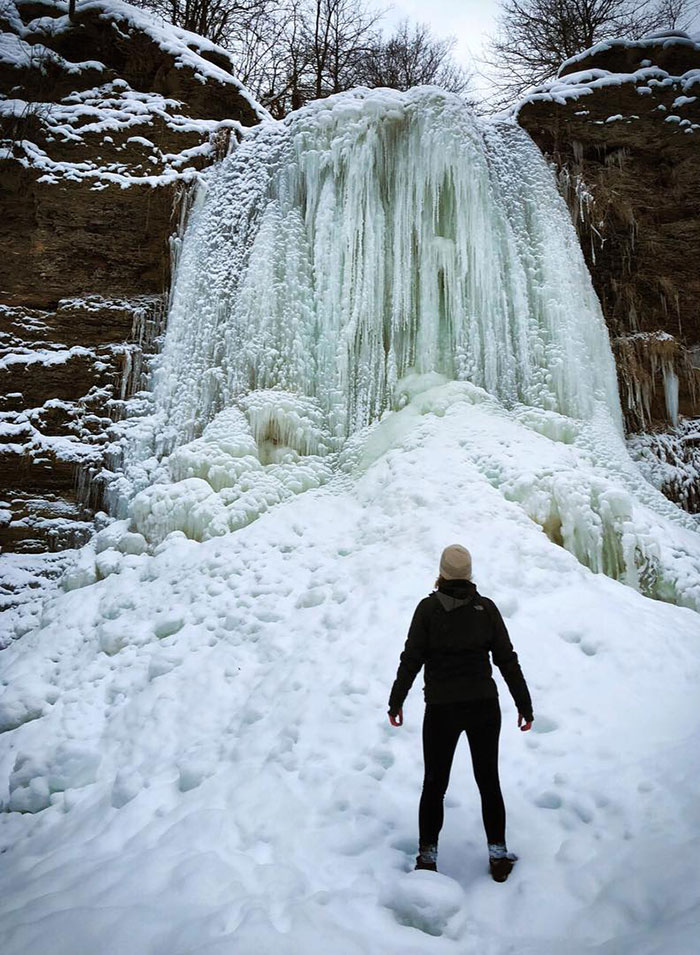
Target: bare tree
[[217, 20], [288, 52], [534, 37], [343, 33], [412, 56], [272, 54], [312, 49]]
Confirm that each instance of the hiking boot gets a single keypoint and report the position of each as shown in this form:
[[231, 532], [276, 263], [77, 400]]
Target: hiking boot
[[501, 861], [427, 858], [501, 868]]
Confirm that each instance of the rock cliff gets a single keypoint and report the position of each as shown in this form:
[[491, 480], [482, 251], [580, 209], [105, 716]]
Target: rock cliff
[[622, 124], [104, 119]]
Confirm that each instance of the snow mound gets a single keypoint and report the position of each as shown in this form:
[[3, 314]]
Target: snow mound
[[574, 479], [210, 765]]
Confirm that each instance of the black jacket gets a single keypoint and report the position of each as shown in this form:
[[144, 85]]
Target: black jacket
[[452, 632]]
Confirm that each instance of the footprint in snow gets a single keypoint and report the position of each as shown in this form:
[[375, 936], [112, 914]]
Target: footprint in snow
[[585, 644], [381, 760], [544, 724], [384, 757], [571, 636], [548, 800]]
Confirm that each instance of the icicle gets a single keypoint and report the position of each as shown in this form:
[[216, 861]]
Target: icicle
[[671, 392], [644, 360]]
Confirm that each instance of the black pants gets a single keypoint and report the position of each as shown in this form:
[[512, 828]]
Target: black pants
[[442, 726]]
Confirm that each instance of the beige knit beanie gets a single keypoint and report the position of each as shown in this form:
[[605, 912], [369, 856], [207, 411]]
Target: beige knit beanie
[[456, 563]]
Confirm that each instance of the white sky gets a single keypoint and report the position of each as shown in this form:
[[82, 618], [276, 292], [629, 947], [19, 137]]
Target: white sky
[[469, 21]]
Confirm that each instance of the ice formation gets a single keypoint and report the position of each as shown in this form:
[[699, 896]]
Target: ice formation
[[236, 470], [646, 359], [375, 233], [353, 261], [671, 461]]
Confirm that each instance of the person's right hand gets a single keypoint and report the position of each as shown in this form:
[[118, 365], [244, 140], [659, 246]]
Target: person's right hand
[[524, 724], [397, 719]]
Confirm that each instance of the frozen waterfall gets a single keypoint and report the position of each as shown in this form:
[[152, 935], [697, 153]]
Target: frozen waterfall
[[377, 258], [375, 233]]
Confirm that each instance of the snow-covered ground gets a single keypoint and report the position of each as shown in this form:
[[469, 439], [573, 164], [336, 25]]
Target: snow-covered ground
[[207, 731]]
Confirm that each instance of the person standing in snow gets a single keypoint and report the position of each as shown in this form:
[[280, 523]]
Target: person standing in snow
[[452, 633]]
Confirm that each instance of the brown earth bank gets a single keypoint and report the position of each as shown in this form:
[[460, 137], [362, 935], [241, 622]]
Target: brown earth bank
[[622, 125], [104, 122]]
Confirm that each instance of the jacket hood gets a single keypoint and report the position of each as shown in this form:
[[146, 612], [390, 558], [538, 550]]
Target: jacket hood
[[455, 593]]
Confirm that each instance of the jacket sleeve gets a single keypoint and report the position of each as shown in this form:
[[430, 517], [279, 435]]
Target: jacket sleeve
[[412, 658], [506, 659]]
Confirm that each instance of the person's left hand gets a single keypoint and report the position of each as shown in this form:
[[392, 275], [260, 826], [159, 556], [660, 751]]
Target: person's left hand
[[397, 719], [524, 724]]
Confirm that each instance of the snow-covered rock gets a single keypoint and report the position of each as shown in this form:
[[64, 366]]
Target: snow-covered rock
[[622, 123], [104, 120]]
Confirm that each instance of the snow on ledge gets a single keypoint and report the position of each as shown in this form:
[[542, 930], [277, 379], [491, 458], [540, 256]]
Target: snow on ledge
[[187, 49], [663, 38], [112, 108], [573, 85]]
